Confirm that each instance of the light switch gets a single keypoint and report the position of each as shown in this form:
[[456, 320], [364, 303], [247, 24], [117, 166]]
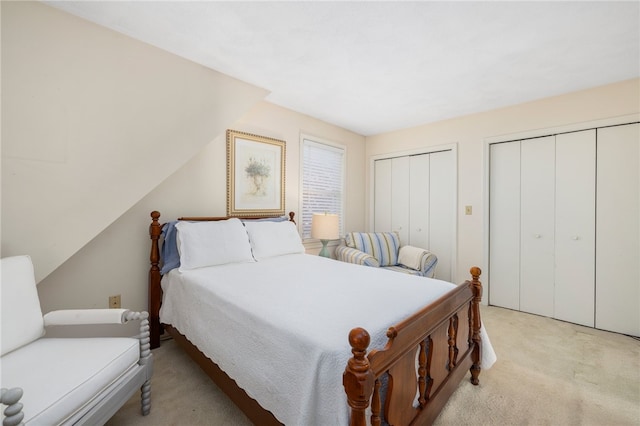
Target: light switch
[[467, 210]]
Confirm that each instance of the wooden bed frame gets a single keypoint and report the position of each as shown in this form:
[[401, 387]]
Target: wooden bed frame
[[443, 336]]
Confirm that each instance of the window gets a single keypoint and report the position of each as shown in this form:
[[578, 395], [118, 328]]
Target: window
[[322, 181]]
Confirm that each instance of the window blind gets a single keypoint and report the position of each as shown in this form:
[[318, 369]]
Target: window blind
[[322, 182]]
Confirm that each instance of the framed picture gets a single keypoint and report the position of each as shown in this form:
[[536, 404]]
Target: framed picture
[[255, 175]]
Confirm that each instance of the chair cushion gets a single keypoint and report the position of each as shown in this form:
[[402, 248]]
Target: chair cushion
[[61, 375], [383, 246], [20, 307], [404, 269]]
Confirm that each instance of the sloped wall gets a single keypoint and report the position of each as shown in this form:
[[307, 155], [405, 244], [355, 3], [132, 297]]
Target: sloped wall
[[92, 121], [117, 260]]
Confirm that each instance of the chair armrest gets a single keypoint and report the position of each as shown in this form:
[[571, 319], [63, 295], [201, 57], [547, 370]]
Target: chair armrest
[[418, 259], [428, 264], [85, 317], [13, 414], [91, 316], [105, 316], [353, 255]]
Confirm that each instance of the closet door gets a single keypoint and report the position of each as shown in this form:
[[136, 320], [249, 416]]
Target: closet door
[[575, 227], [419, 201], [537, 205], [441, 211], [617, 230], [400, 198], [504, 225], [382, 195]]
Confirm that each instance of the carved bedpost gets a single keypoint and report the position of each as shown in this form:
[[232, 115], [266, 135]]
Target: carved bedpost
[[476, 286], [155, 291], [358, 378], [291, 215]]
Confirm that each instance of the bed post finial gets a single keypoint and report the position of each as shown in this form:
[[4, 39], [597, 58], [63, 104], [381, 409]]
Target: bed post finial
[[291, 215], [476, 287], [358, 379], [155, 291], [475, 274]]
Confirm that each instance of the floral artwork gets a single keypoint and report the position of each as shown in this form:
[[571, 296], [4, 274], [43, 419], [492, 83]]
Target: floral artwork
[[258, 171], [255, 175]]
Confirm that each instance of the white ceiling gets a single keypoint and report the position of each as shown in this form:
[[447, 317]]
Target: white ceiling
[[374, 67]]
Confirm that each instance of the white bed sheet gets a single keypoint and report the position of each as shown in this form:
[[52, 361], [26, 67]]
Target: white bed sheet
[[275, 311]]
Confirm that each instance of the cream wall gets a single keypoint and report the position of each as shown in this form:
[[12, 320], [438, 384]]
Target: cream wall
[[470, 132], [117, 260], [92, 120], [99, 129]]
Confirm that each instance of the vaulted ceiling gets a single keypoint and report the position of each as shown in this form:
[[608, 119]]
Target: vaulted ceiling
[[374, 67]]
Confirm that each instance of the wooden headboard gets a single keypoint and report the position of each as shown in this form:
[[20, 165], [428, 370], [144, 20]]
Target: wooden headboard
[[155, 289]]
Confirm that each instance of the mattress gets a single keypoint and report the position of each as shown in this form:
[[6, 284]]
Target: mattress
[[279, 327]]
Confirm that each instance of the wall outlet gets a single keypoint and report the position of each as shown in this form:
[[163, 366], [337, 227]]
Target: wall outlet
[[114, 302], [468, 210]]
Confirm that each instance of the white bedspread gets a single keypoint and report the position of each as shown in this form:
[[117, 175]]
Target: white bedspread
[[293, 312]]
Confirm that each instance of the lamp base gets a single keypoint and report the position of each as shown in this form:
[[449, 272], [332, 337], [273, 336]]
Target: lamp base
[[325, 251]]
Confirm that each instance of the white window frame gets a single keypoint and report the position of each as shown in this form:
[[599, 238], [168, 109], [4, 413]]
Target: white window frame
[[329, 145]]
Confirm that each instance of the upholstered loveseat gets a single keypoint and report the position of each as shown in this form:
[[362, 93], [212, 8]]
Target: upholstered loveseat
[[382, 249], [53, 381]]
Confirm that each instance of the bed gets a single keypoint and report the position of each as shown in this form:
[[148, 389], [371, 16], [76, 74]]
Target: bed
[[294, 338]]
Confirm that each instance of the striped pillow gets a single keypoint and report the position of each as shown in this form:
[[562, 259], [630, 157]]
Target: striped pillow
[[383, 246]]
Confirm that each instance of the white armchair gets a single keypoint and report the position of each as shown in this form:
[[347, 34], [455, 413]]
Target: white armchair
[[57, 381]]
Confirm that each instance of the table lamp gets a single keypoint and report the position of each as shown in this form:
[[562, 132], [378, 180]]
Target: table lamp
[[325, 227]]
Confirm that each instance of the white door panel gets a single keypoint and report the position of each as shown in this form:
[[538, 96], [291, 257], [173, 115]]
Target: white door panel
[[617, 229], [504, 225], [575, 227], [537, 225], [400, 198], [382, 195], [441, 212], [419, 201]]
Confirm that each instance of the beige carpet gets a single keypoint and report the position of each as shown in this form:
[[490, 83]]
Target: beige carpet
[[548, 373]]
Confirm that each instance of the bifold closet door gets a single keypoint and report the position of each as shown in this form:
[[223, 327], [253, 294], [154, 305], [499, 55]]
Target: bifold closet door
[[504, 225], [617, 229], [537, 227], [391, 196], [419, 200], [441, 211], [400, 185], [382, 195], [575, 223]]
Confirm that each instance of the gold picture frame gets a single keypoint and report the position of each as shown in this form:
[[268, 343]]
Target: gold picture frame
[[255, 175]]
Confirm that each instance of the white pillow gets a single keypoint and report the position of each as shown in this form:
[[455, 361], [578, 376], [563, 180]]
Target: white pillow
[[212, 243], [269, 239]]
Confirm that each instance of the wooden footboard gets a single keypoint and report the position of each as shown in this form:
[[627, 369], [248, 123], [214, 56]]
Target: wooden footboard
[[443, 339]]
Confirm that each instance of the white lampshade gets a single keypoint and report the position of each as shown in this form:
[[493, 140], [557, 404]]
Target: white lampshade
[[325, 226]]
